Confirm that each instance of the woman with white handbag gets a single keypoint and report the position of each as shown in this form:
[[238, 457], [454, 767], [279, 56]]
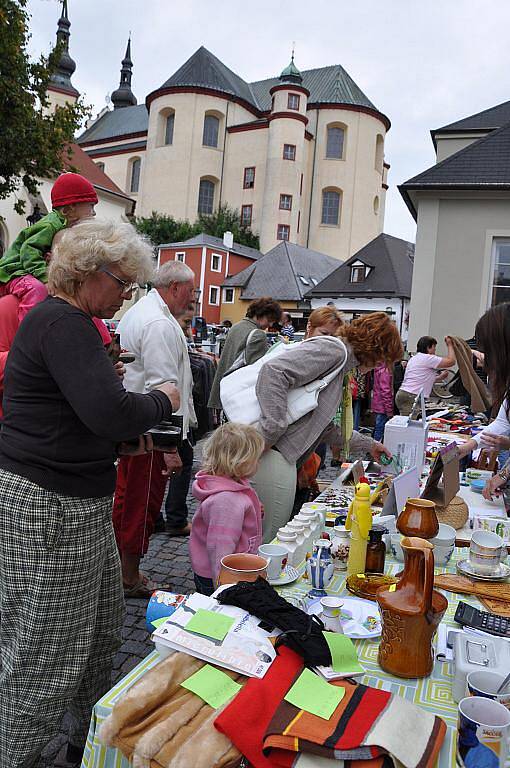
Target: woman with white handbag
[[310, 376]]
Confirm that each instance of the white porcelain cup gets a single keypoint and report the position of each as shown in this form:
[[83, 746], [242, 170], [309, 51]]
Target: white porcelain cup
[[331, 607], [444, 544], [486, 552], [483, 731], [276, 557]]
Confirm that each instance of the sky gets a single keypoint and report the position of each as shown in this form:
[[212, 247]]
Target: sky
[[423, 64]]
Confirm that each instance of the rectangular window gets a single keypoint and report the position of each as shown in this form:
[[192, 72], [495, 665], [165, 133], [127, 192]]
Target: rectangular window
[[301, 185], [293, 101], [228, 295], [216, 262], [246, 214], [500, 281], [214, 295], [289, 151], [286, 202], [357, 274], [211, 130], [283, 232], [180, 256], [206, 197], [298, 220], [249, 178]]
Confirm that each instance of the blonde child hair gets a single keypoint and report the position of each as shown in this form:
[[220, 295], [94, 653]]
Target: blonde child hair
[[233, 450]]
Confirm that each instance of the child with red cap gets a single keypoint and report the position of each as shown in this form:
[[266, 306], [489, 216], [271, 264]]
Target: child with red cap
[[23, 268]]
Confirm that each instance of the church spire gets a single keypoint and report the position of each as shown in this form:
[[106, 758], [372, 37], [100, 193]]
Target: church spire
[[61, 78], [124, 96]]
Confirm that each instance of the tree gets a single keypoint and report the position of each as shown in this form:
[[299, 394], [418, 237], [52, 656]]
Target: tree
[[32, 141], [160, 228]]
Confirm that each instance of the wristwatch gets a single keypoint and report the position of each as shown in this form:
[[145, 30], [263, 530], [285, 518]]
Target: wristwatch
[[504, 473]]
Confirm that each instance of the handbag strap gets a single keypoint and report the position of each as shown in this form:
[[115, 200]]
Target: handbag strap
[[323, 381]]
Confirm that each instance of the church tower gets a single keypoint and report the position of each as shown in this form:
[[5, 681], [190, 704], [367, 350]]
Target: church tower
[[124, 96], [60, 89]]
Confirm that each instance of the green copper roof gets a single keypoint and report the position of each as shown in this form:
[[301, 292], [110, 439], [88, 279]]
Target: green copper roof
[[291, 71]]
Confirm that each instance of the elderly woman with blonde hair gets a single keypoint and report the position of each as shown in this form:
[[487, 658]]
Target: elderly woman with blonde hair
[[66, 419]]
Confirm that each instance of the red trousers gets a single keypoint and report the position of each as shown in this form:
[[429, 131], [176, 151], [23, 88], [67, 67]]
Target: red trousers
[[139, 495]]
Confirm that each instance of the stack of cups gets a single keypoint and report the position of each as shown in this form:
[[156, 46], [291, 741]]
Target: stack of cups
[[288, 539], [317, 507], [295, 527], [308, 531], [315, 521]]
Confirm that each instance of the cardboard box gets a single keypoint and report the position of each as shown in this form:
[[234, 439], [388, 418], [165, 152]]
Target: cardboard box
[[407, 441]]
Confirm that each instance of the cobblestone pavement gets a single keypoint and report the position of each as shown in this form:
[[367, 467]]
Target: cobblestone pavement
[[167, 562]]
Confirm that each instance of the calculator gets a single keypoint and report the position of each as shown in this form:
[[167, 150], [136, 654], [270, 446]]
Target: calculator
[[487, 622]]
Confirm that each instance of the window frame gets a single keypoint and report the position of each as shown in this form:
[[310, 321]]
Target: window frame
[[224, 296], [285, 227], [332, 127], [283, 207], [243, 208], [290, 146], [496, 241], [357, 268], [213, 117], [180, 253], [208, 181], [135, 161], [246, 184], [339, 209], [218, 256], [291, 96], [167, 143], [218, 294], [100, 165]]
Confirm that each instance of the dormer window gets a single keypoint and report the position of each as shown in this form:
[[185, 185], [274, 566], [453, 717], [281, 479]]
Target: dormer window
[[359, 272]]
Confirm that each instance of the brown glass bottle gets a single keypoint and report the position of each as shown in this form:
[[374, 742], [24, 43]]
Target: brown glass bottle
[[376, 550]]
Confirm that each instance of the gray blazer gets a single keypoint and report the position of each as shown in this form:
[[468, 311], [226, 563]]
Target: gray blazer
[[298, 366]]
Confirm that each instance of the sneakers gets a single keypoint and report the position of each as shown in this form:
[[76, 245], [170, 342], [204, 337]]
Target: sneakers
[[182, 531]]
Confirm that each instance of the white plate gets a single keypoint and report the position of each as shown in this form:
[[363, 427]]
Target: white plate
[[355, 625], [288, 575], [465, 567]]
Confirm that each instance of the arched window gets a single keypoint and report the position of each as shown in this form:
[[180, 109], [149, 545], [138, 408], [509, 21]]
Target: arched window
[[134, 182], [335, 142], [206, 197], [211, 131], [3, 239], [331, 206], [379, 153], [169, 128]]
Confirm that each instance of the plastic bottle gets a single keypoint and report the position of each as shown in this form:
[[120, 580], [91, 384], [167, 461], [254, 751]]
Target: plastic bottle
[[359, 522]]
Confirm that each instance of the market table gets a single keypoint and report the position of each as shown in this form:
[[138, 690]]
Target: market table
[[432, 693]]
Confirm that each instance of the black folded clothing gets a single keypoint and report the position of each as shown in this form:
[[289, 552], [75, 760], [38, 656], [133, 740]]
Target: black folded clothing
[[301, 632]]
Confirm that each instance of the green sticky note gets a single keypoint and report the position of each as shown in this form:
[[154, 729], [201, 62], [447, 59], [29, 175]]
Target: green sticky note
[[315, 695], [158, 622], [343, 653], [210, 624], [212, 685]]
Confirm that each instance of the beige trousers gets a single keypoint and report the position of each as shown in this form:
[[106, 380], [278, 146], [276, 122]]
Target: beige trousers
[[404, 402], [275, 484]]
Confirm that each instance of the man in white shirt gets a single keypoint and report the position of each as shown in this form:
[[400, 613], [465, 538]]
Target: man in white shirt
[[150, 330]]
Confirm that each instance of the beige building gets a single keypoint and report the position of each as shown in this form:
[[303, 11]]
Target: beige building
[[300, 155], [113, 203], [462, 209]]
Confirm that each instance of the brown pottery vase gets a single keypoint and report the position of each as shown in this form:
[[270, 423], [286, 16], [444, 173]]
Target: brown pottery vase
[[418, 518], [242, 566], [411, 614]]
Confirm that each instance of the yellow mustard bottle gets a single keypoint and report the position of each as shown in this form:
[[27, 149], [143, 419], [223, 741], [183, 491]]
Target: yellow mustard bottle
[[359, 522]]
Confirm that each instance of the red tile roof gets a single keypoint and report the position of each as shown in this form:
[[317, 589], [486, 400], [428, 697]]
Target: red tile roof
[[81, 162]]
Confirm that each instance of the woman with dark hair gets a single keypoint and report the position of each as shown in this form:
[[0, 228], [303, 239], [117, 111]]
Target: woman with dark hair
[[246, 337], [421, 372], [492, 335], [366, 342]]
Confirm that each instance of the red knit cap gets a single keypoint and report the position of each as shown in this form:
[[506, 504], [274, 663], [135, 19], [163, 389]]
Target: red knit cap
[[72, 188]]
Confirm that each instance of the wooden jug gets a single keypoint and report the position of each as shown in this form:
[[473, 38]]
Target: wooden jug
[[411, 614]]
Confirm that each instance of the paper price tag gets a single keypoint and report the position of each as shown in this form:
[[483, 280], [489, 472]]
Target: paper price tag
[[343, 654], [315, 695], [392, 587], [209, 624], [212, 685]]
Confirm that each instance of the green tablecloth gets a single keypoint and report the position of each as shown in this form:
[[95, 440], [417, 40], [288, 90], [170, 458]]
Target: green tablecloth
[[432, 693]]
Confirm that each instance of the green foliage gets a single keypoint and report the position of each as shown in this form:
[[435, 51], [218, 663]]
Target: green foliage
[[160, 228], [32, 142]]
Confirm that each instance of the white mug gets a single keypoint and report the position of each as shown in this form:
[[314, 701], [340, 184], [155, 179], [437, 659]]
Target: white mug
[[483, 730], [276, 557], [331, 607], [485, 552]]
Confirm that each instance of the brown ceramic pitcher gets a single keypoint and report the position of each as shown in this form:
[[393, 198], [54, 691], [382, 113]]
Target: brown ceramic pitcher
[[411, 614], [418, 518]]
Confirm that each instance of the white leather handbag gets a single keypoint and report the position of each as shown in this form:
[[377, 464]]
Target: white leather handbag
[[239, 399]]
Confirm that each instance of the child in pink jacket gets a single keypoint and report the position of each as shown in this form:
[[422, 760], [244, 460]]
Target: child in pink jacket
[[382, 399], [229, 518]]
